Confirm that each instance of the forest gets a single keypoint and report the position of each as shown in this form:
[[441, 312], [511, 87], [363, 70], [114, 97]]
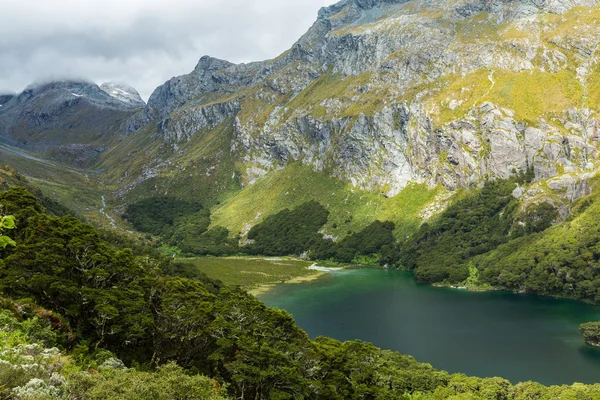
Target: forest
[[289, 232], [87, 316], [484, 239], [532, 251]]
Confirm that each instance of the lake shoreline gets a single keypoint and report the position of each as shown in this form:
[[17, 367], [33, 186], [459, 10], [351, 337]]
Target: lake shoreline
[[265, 288], [450, 329]]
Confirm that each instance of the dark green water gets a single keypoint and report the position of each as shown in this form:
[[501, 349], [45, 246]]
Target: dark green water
[[518, 337]]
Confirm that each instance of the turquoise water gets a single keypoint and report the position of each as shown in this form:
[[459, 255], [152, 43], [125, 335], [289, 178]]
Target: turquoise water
[[518, 337]]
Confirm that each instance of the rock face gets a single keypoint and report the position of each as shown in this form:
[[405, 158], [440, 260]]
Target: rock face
[[381, 93], [70, 121], [123, 93], [5, 98]]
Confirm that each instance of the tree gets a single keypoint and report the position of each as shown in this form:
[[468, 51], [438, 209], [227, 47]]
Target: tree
[[591, 333], [7, 222]]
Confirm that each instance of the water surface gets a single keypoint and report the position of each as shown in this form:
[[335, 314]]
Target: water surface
[[518, 337]]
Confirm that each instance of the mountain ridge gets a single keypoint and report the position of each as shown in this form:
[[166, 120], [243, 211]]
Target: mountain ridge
[[368, 95], [68, 120], [380, 95]]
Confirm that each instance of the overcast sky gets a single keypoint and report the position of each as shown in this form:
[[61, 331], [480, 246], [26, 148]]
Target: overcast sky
[[140, 42]]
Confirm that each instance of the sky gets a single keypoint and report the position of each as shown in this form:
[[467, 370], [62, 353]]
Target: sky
[[142, 43]]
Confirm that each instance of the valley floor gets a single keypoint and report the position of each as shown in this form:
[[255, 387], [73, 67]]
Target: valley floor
[[255, 274]]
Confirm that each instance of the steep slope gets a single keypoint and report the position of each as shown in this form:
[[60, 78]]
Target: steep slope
[[379, 95], [70, 121], [123, 93], [5, 98]]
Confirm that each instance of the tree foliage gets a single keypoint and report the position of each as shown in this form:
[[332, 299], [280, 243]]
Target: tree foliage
[[153, 314], [289, 232], [158, 215], [181, 224], [591, 333], [7, 222]]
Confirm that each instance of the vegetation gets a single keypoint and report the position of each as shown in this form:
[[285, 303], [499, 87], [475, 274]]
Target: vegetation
[[297, 232], [289, 232], [114, 299], [471, 226], [202, 170], [157, 215], [32, 367], [350, 210], [75, 304], [7, 222], [182, 224], [250, 272], [531, 94], [591, 333], [376, 239], [487, 235]]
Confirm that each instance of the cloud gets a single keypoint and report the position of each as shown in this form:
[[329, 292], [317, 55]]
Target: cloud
[[142, 43]]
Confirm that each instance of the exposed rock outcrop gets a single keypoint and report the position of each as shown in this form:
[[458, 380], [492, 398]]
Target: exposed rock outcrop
[[70, 121], [381, 93]]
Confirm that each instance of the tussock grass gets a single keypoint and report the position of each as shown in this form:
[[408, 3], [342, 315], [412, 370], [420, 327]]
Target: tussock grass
[[350, 209], [251, 272]]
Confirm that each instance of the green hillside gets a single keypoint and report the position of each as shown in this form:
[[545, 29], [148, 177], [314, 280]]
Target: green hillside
[[350, 209]]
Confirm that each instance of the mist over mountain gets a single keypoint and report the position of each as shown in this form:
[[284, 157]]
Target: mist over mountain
[[70, 121]]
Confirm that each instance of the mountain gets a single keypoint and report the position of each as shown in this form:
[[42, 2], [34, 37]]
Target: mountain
[[69, 121], [382, 110], [381, 95], [123, 93], [5, 98]]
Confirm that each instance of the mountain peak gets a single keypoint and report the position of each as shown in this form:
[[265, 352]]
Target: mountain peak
[[123, 93], [333, 9], [208, 63]]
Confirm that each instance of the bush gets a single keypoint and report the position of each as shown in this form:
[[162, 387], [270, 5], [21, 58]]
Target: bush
[[169, 382], [157, 215], [289, 232]]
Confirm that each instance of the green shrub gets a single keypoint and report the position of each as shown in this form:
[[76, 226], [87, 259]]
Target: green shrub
[[167, 383], [289, 232]]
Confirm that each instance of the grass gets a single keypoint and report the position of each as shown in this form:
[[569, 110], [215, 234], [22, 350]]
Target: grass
[[201, 169], [531, 94], [332, 85], [578, 20], [350, 209], [76, 189], [252, 272]]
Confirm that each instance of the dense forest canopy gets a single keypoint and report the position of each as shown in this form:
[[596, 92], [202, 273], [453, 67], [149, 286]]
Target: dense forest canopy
[[486, 238], [67, 286]]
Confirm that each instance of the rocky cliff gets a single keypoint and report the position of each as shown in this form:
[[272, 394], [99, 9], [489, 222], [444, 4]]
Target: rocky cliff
[[69, 121], [382, 93]]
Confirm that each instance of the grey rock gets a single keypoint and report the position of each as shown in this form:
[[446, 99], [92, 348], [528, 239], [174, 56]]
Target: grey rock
[[5, 98], [571, 187], [69, 121], [385, 49], [123, 93], [184, 123]]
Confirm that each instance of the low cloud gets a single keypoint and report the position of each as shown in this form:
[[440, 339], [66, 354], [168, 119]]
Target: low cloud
[[142, 43]]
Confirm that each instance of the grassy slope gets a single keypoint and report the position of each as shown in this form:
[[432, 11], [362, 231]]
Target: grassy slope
[[76, 189], [201, 169], [531, 93], [569, 249], [351, 209]]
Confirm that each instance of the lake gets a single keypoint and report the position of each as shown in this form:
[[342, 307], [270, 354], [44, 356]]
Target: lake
[[518, 337]]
